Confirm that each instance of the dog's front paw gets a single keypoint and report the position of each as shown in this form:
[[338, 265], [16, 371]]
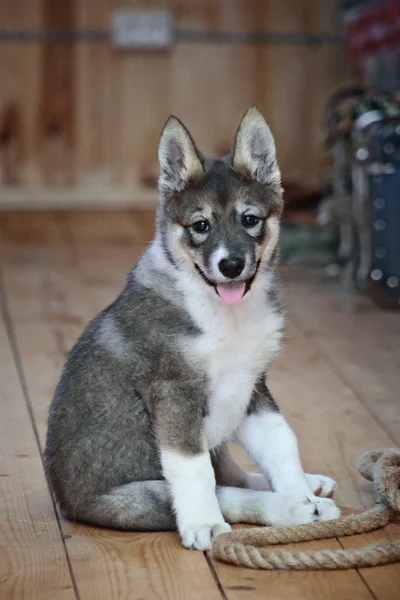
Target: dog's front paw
[[321, 485], [298, 512], [200, 537]]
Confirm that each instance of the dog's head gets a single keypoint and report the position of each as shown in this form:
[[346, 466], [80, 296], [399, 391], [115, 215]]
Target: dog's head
[[221, 217]]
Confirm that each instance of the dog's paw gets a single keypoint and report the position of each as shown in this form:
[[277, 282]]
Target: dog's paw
[[298, 512], [200, 537], [321, 486]]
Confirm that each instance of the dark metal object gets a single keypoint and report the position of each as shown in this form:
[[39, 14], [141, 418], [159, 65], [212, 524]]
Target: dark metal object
[[385, 214], [376, 209]]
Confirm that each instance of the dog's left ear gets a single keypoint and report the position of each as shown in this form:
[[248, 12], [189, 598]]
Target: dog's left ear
[[254, 152], [179, 158]]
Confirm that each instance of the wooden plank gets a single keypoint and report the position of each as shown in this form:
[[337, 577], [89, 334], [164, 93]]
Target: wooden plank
[[282, 83], [57, 97], [241, 584], [100, 121], [361, 343], [33, 563], [337, 417], [94, 197], [51, 304], [347, 332], [224, 84], [19, 96], [327, 69]]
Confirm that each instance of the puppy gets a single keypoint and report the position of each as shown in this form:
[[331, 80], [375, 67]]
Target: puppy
[[176, 367]]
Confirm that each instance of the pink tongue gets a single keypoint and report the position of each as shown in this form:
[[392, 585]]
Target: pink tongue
[[231, 292]]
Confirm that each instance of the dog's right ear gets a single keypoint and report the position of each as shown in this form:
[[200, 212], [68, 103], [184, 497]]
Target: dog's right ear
[[180, 160], [254, 153]]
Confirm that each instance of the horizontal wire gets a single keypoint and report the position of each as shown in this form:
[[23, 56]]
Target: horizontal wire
[[254, 37], [21, 36], [49, 36]]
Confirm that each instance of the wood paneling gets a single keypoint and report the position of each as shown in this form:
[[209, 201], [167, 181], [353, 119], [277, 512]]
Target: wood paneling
[[57, 98], [81, 121]]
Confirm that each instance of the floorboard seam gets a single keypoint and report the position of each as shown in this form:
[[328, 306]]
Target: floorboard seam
[[215, 576], [365, 582], [6, 315], [337, 371]]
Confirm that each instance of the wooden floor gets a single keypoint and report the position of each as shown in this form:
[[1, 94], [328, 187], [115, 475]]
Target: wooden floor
[[337, 381]]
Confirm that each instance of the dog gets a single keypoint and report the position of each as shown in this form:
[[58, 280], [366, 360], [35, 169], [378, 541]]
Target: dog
[[176, 367]]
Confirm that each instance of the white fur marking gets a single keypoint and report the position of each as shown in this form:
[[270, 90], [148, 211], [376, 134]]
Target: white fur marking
[[192, 482], [110, 337], [273, 445], [219, 254], [237, 344]]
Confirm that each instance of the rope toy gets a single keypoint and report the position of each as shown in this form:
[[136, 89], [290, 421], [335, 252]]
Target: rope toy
[[380, 466]]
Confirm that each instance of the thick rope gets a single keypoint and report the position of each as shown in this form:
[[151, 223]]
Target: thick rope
[[380, 466]]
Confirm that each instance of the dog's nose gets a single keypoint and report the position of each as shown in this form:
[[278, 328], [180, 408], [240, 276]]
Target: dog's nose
[[231, 267]]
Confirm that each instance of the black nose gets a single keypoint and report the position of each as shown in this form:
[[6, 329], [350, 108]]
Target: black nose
[[231, 267]]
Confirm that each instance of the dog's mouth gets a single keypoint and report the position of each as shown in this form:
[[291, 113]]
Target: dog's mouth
[[230, 292]]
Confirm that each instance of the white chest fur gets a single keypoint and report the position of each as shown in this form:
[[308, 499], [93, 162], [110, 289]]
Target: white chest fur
[[237, 344]]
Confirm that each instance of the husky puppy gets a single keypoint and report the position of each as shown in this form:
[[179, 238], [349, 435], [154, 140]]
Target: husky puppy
[[175, 368]]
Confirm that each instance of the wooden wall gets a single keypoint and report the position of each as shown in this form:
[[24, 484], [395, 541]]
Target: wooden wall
[[80, 122]]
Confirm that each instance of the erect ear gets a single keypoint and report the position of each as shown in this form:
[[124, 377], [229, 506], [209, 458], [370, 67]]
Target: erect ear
[[180, 160], [254, 153]]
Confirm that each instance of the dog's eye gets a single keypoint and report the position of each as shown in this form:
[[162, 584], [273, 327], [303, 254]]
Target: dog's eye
[[201, 226], [250, 221]]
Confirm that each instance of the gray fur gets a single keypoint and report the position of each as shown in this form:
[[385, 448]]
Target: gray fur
[[127, 388], [262, 398], [102, 430]]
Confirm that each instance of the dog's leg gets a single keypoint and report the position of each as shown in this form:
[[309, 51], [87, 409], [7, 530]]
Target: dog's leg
[[229, 473], [192, 483], [271, 442], [270, 508], [186, 462], [266, 435]]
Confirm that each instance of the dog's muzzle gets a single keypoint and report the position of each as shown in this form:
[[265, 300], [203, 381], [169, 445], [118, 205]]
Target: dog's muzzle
[[230, 292]]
